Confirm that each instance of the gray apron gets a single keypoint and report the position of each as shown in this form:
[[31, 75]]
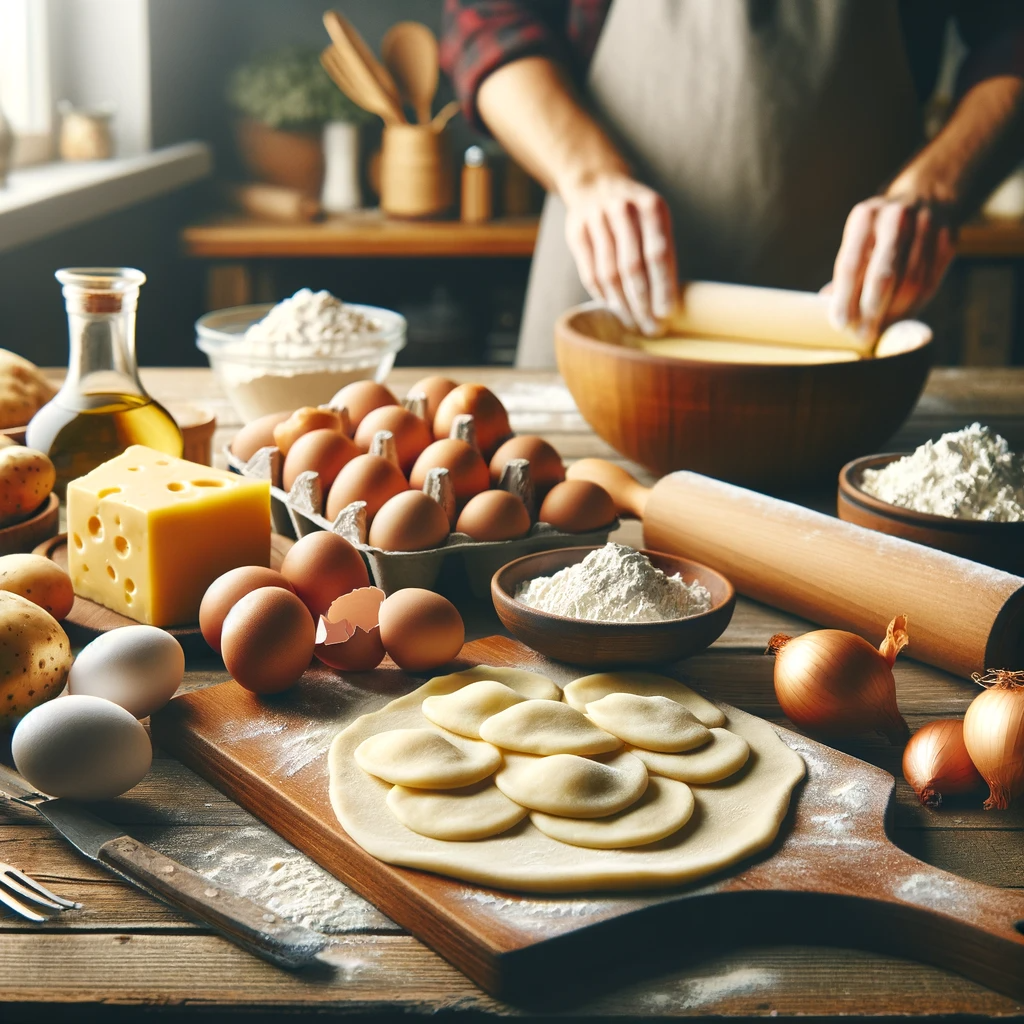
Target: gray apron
[[761, 123]]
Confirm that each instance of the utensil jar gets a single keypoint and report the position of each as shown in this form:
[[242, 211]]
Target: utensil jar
[[416, 177]]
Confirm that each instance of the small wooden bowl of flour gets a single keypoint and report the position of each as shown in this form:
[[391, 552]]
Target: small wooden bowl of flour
[[992, 543], [582, 641]]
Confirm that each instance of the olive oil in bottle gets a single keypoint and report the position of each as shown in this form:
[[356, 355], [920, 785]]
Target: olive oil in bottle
[[102, 407]]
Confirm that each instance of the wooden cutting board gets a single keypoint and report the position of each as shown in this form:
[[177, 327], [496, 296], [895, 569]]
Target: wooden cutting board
[[833, 877]]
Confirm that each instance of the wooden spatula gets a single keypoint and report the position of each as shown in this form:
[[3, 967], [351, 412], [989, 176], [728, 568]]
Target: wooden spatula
[[409, 51], [354, 52], [355, 81]]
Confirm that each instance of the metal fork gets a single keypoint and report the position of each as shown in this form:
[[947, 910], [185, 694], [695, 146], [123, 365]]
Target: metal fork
[[15, 884]]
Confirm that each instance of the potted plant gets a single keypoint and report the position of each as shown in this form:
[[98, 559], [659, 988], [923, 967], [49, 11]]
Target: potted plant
[[284, 99]]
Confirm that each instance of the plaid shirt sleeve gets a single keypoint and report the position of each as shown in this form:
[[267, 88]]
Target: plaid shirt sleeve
[[481, 36]]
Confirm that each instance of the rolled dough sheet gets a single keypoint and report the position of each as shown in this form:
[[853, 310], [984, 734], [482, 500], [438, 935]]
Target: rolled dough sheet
[[732, 820]]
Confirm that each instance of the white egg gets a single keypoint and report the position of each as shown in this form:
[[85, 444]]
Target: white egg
[[84, 748], [138, 667]]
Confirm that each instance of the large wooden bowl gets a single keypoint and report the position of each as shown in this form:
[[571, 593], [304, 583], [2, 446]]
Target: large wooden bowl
[[996, 544], [762, 426], [581, 642]]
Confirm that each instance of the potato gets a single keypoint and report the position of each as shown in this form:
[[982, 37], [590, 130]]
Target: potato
[[6, 441], [38, 580], [26, 478], [35, 657]]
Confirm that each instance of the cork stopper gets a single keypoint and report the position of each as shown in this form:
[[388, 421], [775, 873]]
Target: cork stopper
[[416, 403], [350, 523], [439, 486], [517, 479], [383, 444], [464, 429], [306, 494]]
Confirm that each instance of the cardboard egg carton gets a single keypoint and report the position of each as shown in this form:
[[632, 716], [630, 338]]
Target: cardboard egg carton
[[297, 512]]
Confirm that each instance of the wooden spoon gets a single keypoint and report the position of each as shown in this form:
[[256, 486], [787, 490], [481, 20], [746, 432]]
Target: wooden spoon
[[352, 48], [355, 81], [409, 50]]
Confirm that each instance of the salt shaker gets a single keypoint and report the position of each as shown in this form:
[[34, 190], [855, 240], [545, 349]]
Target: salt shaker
[[477, 201], [341, 167]]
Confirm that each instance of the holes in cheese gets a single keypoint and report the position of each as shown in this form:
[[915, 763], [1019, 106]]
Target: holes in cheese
[[207, 483], [95, 527], [107, 491], [78, 542], [176, 485], [122, 546], [112, 573]]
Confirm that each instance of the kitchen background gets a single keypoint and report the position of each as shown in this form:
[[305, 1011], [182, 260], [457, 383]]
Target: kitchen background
[[164, 66]]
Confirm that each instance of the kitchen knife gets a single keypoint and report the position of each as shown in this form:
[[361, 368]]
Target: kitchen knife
[[254, 928]]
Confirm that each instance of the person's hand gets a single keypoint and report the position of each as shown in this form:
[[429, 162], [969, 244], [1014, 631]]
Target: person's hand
[[891, 261], [620, 235]]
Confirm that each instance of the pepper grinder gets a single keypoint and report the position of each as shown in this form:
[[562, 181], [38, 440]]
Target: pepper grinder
[[477, 181]]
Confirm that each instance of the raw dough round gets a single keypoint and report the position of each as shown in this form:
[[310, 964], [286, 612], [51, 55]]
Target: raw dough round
[[654, 723], [665, 807], [465, 710], [425, 759], [544, 727], [531, 685], [472, 812], [733, 820], [725, 755], [573, 786], [581, 692]]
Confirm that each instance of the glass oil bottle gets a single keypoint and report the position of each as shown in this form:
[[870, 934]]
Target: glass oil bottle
[[102, 407]]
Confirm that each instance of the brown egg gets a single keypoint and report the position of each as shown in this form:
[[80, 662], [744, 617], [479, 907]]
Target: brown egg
[[323, 452], [421, 630], [256, 435], [267, 640], [492, 425], [227, 590], [322, 567], [465, 464], [546, 468], [435, 388], [361, 397], [303, 421], [412, 433], [409, 521], [369, 478], [348, 635], [494, 515], [577, 506]]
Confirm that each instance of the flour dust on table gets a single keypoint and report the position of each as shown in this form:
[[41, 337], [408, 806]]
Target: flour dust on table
[[574, 804]]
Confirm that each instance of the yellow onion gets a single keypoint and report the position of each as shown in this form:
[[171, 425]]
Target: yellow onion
[[994, 735], [834, 682], [936, 762]]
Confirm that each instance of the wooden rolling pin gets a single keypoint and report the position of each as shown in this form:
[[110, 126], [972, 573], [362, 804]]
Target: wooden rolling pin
[[963, 616], [769, 315]]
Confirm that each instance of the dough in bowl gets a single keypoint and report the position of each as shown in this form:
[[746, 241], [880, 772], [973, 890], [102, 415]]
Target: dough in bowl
[[424, 759], [654, 723], [665, 807]]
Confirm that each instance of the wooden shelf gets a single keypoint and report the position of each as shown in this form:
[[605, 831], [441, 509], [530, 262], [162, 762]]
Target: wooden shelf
[[363, 234]]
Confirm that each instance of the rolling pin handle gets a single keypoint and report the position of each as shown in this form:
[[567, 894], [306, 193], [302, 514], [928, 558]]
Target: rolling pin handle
[[629, 495]]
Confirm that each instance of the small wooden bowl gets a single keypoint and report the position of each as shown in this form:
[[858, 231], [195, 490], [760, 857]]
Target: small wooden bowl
[[997, 544], [581, 642], [41, 525]]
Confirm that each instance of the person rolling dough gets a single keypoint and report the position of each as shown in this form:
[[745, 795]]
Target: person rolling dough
[[767, 142]]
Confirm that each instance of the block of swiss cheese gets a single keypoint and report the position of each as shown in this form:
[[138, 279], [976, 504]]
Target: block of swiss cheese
[[148, 533]]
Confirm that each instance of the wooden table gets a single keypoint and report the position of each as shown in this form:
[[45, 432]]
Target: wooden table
[[129, 951]]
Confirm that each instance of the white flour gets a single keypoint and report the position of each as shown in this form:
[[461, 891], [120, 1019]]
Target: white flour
[[615, 584], [966, 474], [309, 324]]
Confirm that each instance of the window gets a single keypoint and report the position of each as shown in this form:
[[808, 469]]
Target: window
[[25, 77]]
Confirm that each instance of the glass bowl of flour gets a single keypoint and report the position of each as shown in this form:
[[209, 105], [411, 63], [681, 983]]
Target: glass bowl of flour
[[273, 358]]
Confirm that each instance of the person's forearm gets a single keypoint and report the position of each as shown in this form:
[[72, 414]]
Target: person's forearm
[[979, 145], [532, 110]]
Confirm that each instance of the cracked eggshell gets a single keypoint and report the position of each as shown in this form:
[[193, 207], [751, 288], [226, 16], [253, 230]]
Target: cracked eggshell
[[348, 636], [136, 667]]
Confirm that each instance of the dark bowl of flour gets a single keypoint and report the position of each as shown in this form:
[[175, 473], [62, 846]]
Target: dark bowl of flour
[[644, 630]]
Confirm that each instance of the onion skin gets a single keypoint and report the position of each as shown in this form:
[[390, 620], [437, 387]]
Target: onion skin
[[994, 735], [936, 762], [835, 683]]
